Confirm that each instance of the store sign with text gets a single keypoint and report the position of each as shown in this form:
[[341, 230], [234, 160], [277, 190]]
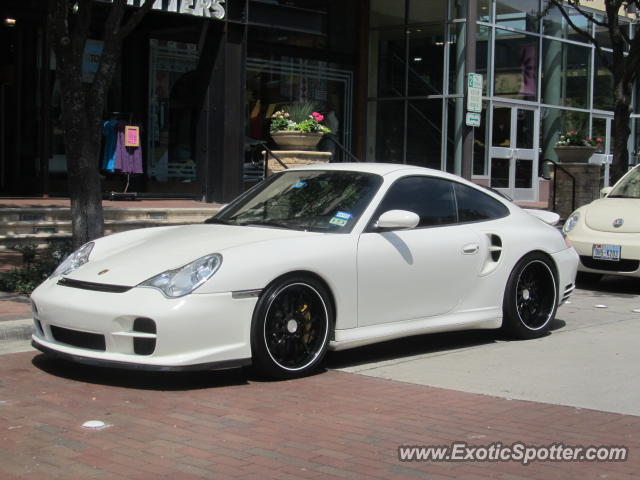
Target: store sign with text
[[197, 8]]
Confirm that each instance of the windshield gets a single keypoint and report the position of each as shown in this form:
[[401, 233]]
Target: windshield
[[628, 186], [312, 200]]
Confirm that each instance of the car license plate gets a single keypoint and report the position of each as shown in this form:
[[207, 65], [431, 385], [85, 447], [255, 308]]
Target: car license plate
[[606, 252]]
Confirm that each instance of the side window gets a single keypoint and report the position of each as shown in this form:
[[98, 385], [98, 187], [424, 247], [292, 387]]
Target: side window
[[474, 205], [429, 197]]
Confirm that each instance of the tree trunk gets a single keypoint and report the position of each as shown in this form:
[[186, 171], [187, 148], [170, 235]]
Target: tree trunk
[[85, 189], [621, 120], [82, 144]]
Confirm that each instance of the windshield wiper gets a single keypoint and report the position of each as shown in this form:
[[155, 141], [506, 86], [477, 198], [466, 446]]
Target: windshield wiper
[[620, 196]]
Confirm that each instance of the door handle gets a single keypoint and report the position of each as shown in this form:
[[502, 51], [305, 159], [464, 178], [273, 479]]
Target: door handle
[[470, 249]]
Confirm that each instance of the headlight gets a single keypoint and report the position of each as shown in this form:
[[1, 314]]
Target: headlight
[[75, 260], [184, 280], [571, 222]]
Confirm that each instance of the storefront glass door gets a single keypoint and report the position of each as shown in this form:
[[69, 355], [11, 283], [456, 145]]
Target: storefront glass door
[[514, 146]]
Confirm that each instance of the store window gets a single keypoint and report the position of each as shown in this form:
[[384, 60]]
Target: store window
[[483, 38], [484, 10], [391, 62], [424, 133], [453, 145], [602, 84], [171, 157], [518, 14], [554, 121], [480, 167], [516, 65], [555, 25], [602, 32], [426, 60], [565, 74], [456, 46], [388, 125], [385, 13], [277, 82], [431, 11]]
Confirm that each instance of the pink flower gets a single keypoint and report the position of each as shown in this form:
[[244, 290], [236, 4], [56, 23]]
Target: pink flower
[[599, 140], [286, 115], [317, 116]]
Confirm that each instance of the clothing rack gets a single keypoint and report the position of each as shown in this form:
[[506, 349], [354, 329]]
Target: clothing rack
[[128, 118]]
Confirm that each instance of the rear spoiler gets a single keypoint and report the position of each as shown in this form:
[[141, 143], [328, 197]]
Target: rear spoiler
[[550, 218]]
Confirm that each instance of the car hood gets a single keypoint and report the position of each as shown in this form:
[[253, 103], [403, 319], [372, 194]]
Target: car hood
[[130, 258], [600, 215]]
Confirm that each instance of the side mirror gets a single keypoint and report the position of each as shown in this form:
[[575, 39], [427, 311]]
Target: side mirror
[[397, 219], [605, 191]]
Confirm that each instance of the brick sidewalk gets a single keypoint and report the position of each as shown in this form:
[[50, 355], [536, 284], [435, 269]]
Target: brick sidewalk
[[226, 425], [14, 308]]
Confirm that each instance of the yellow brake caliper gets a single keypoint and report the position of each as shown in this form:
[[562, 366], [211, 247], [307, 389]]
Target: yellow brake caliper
[[306, 314]]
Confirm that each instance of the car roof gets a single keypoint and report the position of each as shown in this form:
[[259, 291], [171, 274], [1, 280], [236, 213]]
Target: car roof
[[377, 168], [400, 170]]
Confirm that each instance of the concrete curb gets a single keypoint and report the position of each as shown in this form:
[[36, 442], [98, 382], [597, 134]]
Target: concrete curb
[[16, 330]]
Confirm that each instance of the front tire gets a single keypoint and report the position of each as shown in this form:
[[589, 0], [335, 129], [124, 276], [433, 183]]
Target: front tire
[[291, 327], [531, 297]]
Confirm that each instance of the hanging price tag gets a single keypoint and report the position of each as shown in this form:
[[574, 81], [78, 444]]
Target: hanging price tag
[[131, 136]]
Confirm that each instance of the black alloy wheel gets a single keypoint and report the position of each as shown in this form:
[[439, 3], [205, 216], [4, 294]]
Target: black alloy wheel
[[531, 297], [291, 328]]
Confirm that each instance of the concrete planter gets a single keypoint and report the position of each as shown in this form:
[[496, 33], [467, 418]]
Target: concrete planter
[[292, 140], [574, 154], [295, 158]]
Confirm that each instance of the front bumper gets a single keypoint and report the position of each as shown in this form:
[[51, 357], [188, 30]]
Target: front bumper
[[197, 331], [629, 265]]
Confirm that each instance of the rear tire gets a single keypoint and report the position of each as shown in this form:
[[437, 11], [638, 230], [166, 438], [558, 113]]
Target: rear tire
[[530, 298], [291, 327]]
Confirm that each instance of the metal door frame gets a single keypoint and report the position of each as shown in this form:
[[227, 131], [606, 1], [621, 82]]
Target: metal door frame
[[513, 153], [606, 157]]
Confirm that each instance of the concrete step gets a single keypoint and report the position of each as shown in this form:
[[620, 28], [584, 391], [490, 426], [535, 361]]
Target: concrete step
[[41, 225], [32, 228], [53, 214]]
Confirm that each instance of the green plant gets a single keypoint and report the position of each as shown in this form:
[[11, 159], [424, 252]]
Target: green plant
[[300, 111], [573, 138], [38, 264], [298, 117]]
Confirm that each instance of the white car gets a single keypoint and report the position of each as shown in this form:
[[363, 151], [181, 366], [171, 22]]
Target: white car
[[606, 232], [313, 258]]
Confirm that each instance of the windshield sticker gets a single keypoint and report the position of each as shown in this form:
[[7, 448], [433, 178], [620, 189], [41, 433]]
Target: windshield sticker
[[343, 215], [299, 185], [341, 222]]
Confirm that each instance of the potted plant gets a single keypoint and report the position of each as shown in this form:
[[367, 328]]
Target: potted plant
[[297, 127], [574, 147]]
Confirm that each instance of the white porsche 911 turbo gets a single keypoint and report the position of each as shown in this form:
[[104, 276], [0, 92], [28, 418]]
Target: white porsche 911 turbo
[[313, 258]]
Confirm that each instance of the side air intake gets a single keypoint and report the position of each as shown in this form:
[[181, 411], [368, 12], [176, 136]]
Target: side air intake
[[493, 255]]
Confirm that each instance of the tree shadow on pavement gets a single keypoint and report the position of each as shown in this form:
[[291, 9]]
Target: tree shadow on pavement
[[141, 380]]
